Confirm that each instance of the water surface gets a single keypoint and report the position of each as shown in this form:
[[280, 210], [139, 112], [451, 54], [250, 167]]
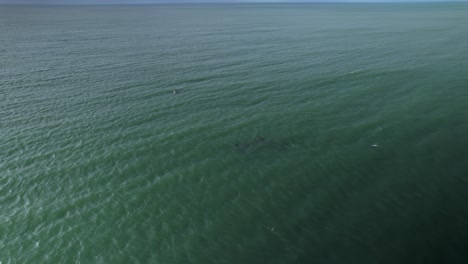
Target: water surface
[[297, 134]]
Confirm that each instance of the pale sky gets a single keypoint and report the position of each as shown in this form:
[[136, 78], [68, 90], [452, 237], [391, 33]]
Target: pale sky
[[198, 1]]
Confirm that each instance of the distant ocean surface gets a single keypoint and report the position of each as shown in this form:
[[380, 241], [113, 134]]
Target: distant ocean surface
[[234, 134]]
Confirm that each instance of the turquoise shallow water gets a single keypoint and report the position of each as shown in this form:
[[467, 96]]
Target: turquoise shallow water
[[265, 153]]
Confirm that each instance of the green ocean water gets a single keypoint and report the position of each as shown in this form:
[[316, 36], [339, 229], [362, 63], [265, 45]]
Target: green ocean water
[[319, 133]]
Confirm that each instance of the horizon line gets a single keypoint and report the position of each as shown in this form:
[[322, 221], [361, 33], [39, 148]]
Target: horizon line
[[243, 2]]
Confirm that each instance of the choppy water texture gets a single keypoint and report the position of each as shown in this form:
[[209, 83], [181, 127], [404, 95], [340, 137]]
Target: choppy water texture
[[296, 134]]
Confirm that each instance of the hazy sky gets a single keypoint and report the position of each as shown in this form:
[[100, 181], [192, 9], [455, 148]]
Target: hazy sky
[[194, 1]]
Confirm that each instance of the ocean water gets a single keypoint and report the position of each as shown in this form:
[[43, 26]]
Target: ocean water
[[300, 133]]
